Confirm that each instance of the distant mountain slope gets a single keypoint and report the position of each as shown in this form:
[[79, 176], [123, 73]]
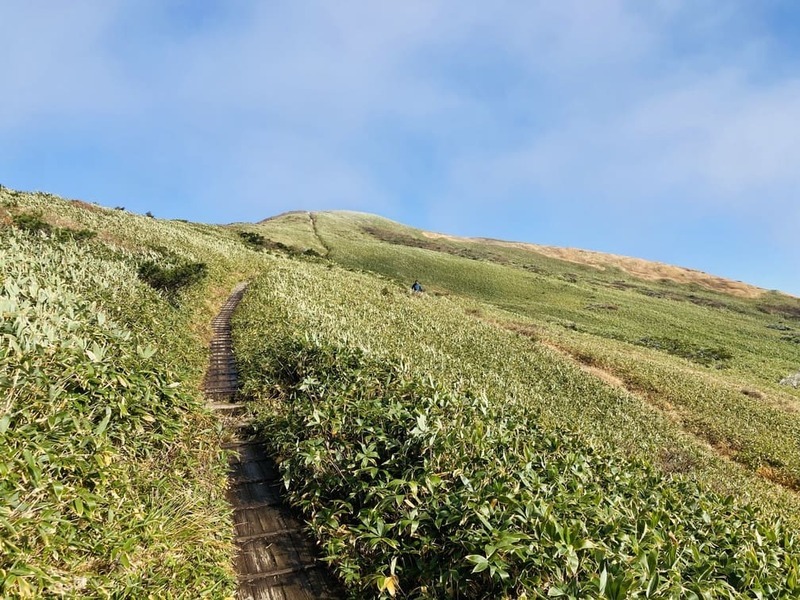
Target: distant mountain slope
[[646, 269], [705, 353], [488, 436]]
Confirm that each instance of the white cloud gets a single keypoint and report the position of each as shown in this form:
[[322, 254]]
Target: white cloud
[[628, 104], [719, 135]]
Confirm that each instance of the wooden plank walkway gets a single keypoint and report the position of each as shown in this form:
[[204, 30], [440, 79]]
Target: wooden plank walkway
[[276, 560]]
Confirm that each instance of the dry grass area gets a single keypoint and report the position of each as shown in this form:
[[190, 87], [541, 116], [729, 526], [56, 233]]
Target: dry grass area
[[637, 267], [647, 269], [88, 206]]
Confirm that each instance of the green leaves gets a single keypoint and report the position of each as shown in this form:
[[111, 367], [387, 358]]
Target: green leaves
[[171, 280], [481, 562], [101, 427], [104, 455], [398, 440]]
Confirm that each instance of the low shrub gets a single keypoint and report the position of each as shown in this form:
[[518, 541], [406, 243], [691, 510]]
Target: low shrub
[[33, 223], [78, 235], [253, 240], [704, 355], [170, 280]]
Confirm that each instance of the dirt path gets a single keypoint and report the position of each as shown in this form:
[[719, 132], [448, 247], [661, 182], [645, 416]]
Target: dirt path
[[322, 243], [275, 559]]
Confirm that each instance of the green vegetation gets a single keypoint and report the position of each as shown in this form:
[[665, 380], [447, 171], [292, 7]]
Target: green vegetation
[[33, 223], [293, 231], [699, 354], [484, 479], [532, 426], [171, 280], [254, 240], [663, 341], [111, 476]]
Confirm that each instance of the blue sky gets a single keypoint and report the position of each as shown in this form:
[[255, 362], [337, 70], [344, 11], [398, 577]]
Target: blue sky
[[666, 129]]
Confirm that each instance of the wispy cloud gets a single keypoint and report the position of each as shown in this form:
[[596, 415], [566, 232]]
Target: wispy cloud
[[536, 119]]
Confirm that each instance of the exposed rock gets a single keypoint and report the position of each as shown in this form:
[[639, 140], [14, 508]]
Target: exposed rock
[[791, 380]]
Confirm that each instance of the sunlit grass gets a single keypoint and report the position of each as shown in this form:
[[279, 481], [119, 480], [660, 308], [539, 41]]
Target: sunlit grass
[[709, 361], [407, 428], [111, 476]]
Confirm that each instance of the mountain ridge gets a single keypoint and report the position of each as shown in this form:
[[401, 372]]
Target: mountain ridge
[[640, 267]]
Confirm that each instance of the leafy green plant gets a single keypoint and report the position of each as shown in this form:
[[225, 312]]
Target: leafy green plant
[[423, 471], [32, 223], [77, 235], [111, 477], [252, 239]]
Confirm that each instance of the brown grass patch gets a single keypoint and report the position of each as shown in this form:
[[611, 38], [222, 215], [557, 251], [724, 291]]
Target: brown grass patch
[[528, 331], [676, 461], [779, 476], [285, 214], [62, 222], [587, 364], [607, 377], [644, 269], [88, 206]]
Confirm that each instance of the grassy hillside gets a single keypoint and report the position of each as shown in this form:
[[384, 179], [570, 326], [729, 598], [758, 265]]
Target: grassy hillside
[[681, 376], [706, 362], [111, 477], [539, 422], [448, 457]]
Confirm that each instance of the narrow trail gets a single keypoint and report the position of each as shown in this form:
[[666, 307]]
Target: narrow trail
[[322, 243], [275, 559]]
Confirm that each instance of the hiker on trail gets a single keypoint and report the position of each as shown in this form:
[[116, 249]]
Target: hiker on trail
[[416, 287]]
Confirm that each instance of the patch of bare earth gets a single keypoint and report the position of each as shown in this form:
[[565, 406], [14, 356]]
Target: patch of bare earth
[[586, 366], [779, 477]]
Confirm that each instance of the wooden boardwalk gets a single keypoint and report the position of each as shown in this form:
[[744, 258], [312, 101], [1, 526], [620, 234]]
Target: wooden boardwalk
[[276, 560]]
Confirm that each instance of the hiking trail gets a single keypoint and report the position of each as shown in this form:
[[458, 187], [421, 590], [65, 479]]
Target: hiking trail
[[315, 228], [276, 560]]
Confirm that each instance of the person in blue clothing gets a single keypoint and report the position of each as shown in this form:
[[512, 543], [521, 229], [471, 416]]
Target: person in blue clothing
[[416, 287]]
